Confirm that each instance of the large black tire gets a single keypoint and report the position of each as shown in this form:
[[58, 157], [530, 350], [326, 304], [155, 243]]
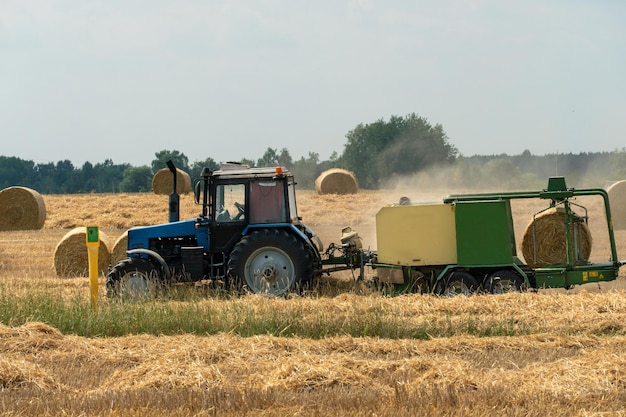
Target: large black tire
[[134, 278], [271, 262], [505, 281], [458, 283]]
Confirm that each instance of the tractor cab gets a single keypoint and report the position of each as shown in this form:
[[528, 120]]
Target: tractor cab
[[237, 198]]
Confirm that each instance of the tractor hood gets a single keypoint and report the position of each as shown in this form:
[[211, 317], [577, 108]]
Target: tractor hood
[[139, 237]]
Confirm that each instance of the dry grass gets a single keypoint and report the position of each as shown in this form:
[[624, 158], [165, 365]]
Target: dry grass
[[43, 372], [567, 358]]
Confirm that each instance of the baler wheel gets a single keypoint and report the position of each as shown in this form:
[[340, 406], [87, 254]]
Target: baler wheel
[[458, 283], [505, 281]]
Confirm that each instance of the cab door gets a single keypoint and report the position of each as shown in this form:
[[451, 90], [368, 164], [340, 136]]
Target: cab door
[[230, 215]]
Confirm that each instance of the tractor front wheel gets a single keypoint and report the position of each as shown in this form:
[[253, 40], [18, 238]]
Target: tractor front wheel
[[271, 262], [133, 279]]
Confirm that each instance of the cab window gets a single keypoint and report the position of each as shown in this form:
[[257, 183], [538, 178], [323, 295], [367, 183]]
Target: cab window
[[230, 203], [267, 199]]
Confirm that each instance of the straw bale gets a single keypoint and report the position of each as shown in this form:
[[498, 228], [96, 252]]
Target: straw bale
[[548, 230], [120, 246], [71, 258], [162, 182], [21, 208], [617, 197], [336, 181]]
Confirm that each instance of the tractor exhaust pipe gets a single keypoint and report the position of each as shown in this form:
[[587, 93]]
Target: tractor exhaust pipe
[[174, 215]]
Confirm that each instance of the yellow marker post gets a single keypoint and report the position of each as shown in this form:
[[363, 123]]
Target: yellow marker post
[[93, 246]]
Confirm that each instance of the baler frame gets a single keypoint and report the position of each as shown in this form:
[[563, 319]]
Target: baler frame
[[439, 278]]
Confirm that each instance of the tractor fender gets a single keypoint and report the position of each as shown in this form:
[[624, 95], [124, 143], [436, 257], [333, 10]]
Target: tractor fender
[[152, 254], [293, 229]]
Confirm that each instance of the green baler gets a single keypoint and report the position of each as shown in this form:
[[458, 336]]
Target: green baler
[[468, 244]]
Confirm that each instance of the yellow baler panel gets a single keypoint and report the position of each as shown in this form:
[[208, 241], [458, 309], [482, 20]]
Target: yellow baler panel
[[416, 235]]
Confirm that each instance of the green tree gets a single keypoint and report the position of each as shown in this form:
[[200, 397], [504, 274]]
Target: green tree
[[401, 146], [307, 170], [136, 179], [251, 163], [65, 177], [500, 173], [16, 171], [46, 182], [272, 157], [617, 163], [179, 159], [108, 176], [59, 178], [197, 166], [87, 178]]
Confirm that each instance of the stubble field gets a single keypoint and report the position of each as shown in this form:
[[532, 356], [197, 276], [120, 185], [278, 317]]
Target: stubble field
[[343, 350]]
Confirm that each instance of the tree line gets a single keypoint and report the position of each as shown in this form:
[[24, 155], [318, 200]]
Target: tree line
[[405, 150]]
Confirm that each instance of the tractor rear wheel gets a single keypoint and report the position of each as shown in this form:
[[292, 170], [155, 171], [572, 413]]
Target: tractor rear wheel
[[133, 279], [271, 262]]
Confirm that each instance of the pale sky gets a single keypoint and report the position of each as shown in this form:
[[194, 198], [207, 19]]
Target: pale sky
[[90, 80]]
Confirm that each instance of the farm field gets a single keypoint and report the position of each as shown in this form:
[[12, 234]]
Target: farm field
[[343, 350]]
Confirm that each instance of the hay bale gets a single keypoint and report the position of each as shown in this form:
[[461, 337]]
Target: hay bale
[[21, 209], [617, 199], [336, 181], [71, 258], [548, 231], [163, 182], [120, 246]]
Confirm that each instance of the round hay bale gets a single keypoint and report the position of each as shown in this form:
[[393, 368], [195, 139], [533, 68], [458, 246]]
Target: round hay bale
[[21, 209], [548, 231], [71, 258], [120, 246], [336, 181], [617, 199], [163, 182]]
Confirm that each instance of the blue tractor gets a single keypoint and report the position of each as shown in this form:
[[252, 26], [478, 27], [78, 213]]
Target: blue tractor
[[248, 235]]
